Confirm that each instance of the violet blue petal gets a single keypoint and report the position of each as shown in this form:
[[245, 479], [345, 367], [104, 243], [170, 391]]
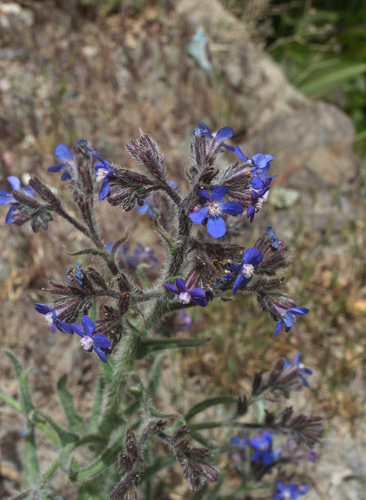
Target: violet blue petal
[[259, 160], [199, 301], [9, 215], [77, 329], [62, 152], [252, 256], [6, 197], [297, 358], [41, 308], [14, 182], [29, 190], [219, 192], [104, 190], [204, 194], [216, 227], [181, 285], [240, 154], [231, 207], [197, 292], [143, 209], [65, 176], [101, 354], [206, 131], [171, 288], [224, 133], [257, 183], [57, 168], [237, 283], [105, 163], [299, 310], [101, 340], [88, 325], [278, 327], [200, 216], [267, 458]]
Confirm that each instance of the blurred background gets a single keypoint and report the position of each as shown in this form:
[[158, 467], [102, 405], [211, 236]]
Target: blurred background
[[290, 79]]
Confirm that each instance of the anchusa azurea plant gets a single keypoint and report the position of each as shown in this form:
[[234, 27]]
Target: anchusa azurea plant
[[124, 313]]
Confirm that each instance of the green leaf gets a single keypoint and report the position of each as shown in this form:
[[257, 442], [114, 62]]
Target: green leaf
[[47, 432], [159, 464], [74, 419], [25, 397], [119, 243], [158, 414], [105, 459], [148, 346], [89, 251], [165, 235], [15, 361], [154, 377], [208, 443], [331, 77], [142, 276], [11, 402], [108, 370], [208, 403], [97, 404], [64, 436]]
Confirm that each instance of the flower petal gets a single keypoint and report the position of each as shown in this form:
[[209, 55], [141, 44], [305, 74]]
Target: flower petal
[[278, 327], [14, 182], [297, 358], [219, 192], [101, 340], [237, 284], [299, 310], [289, 320], [252, 256], [143, 209], [240, 153], [9, 215], [232, 208], [257, 183], [29, 190], [57, 168], [199, 217], [204, 194], [224, 133], [100, 165], [181, 285], [77, 329], [171, 288], [65, 176], [199, 301], [63, 152], [101, 354], [216, 227], [259, 160], [205, 130], [88, 325], [197, 292], [104, 190], [41, 308], [267, 458], [6, 197]]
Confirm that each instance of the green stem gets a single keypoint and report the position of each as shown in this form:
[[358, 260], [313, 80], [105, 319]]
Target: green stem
[[49, 472]]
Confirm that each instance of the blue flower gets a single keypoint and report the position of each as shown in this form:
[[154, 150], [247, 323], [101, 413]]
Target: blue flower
[[292, 491], [196, 295], [223, 134], [213, 209], [263, 447], [89, 342], [51, 318], [75, 274], [102, 170], [6, 197], [259, 197], [240, 443], [302, 368], [272, 235], [251, 258], [147, 206], [289, 318], [64, 154]]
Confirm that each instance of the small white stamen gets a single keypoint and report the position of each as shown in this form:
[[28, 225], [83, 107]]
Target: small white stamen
[[214, 208], [87, 343], [101, 173], [184, 298], [247, 271]]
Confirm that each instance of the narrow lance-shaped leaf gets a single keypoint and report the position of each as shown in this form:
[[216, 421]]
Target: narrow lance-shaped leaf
[[207, 403], [105, 459], [154, 377], [89, 251], [157, 465], [64, 436], [74, 419], [96, 412], [11, 402], [148, 346], [15, 361]]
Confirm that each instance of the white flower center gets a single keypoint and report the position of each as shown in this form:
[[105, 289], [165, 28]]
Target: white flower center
[[49, 319], [286, 494], [87, 343], [214, 209], [184, 298], [101, 173], [247, 271]]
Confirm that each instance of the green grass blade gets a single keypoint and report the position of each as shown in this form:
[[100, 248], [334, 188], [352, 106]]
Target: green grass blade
[[208, 403], [11, 402], [75, 420], [97, 407]]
